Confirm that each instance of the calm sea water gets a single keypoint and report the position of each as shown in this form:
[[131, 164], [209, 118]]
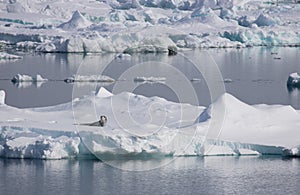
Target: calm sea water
[[187, 175], [254, 75]]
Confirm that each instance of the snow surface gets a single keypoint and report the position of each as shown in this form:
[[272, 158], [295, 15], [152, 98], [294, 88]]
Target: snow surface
[[142, 125], [147, 26], [227, 80]]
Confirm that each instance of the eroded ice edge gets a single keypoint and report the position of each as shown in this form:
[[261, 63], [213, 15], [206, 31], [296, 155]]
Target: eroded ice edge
[[149, 126], [147, 26]]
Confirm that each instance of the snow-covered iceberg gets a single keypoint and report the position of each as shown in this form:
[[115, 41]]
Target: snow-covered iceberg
[[139, 125], [123, 56]]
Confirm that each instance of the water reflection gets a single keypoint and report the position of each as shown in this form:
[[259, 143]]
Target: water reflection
[[28, 84], [195, 175]]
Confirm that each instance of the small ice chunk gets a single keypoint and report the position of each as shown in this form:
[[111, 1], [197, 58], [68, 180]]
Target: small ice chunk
[[124, 56], [39, 78], [228, 80], [149, 79], [26, 78], [21, 78], [6, 56], [90, 78], [293, 80], [195, 79]]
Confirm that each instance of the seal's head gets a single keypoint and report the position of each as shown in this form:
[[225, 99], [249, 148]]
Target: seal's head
[[103, 120]]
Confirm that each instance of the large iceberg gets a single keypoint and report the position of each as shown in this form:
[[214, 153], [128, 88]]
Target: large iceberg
[[139, 125]]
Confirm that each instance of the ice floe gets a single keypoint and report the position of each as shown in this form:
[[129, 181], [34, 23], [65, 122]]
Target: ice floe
[[149, 79], [139, 125], [89, 78]]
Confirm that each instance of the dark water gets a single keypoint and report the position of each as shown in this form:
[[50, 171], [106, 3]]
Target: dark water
[[256, 76], [188, 175]]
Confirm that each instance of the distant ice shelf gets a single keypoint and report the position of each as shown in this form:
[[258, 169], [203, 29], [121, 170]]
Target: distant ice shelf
[[141, 27]]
